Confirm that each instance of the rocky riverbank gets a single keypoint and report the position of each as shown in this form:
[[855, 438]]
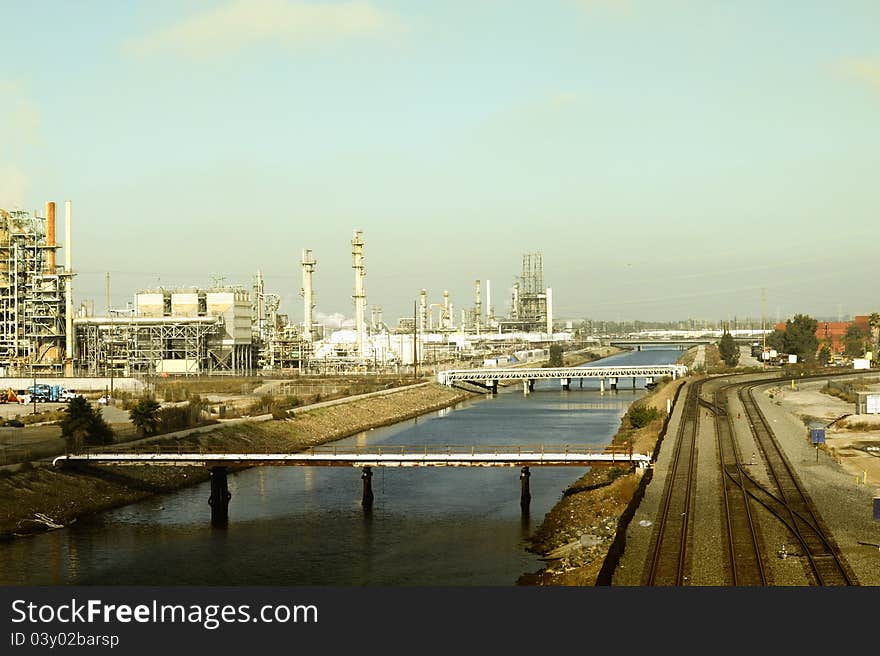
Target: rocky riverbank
[[63, 496], [580, 531]]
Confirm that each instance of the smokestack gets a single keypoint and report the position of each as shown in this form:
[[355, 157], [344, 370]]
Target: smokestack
[[549, 311], [478, 308], [357, 252], [50, 238], [308, 267], [423, 311], [445, 318], [68, 291], [490, 313]]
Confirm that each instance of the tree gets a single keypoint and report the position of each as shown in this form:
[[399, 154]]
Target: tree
[[145, 416], [728, 349], [642, 415], [556, 356], [854, 342], [83, 426], [776, 340], [874, 322], [800, 337], [824, 355]]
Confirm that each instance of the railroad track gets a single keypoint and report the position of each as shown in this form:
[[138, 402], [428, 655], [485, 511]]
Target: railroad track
[[790, 502], [669, 556], [742, 496], [743, 546]]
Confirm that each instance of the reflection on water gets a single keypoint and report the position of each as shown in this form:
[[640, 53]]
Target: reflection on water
[[305, 526]]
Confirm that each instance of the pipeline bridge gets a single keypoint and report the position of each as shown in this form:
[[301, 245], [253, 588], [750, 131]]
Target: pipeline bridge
[[488, 377], [220, 462]]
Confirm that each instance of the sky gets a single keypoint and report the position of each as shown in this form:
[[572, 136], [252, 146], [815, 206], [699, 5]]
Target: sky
[[669, 158]]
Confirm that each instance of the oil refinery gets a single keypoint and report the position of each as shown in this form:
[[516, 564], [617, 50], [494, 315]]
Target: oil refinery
[[238, 330]]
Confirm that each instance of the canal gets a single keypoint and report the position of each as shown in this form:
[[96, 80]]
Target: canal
[[305, 525]]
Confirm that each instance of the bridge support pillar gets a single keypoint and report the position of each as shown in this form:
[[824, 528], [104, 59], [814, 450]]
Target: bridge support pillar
[[525, 388], [367, 477], [525, 497], [613, 383], [566, 383], [495, 386], [634, 382], [219, 500], [531, 385], [601, 385], [581, 382]]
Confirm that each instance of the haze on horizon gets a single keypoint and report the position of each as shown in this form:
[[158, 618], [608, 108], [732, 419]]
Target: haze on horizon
[[669, 158]]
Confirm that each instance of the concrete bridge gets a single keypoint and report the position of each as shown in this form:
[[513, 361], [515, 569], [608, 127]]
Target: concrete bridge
[[682, 343], [220, 462], [489, 377]]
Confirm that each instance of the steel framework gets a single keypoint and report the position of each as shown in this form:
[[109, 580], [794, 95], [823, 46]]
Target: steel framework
[[128, 346], [32, 308]]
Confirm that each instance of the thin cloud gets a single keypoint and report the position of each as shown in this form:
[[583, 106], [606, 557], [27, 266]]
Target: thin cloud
[[864, 70], [14, 186], [19, 130], [237, 24]]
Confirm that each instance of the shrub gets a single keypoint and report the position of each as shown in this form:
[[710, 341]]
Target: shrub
[[181, 416], [145, 416], [83, 426], [642, 415]]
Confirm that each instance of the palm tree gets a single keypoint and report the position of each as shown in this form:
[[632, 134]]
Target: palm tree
[[874, 322], [83, 426], [145, 416]]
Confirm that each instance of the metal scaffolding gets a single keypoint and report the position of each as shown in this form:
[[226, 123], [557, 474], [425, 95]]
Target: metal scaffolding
[[127, 346], [32, 305], [530, 310]]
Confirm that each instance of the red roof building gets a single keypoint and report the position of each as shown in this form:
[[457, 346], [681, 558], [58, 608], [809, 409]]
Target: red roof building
[[833, 332]]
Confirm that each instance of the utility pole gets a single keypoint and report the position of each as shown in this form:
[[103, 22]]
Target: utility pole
[[763, 326]]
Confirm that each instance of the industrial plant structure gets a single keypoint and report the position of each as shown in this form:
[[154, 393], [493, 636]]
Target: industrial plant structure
[[172, 331], [222, 329], [36, 295]]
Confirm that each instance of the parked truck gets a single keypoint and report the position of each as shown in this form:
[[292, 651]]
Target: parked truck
[[43, 393]]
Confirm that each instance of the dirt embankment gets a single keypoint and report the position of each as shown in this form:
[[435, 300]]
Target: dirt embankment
[[65, 495], [578, 532]]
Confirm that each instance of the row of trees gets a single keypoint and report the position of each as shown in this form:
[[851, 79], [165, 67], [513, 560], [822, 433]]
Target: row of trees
[[857, 342], [799, 337]]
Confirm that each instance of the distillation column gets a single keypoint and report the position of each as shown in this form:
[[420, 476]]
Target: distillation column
[[360, 297], [478, 308], [308, 268], [490, 311], [68, 292], [423, 311], [259, 302], [50, 238]]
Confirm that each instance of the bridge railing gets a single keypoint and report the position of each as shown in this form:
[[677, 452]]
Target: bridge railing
[[385, 449]]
